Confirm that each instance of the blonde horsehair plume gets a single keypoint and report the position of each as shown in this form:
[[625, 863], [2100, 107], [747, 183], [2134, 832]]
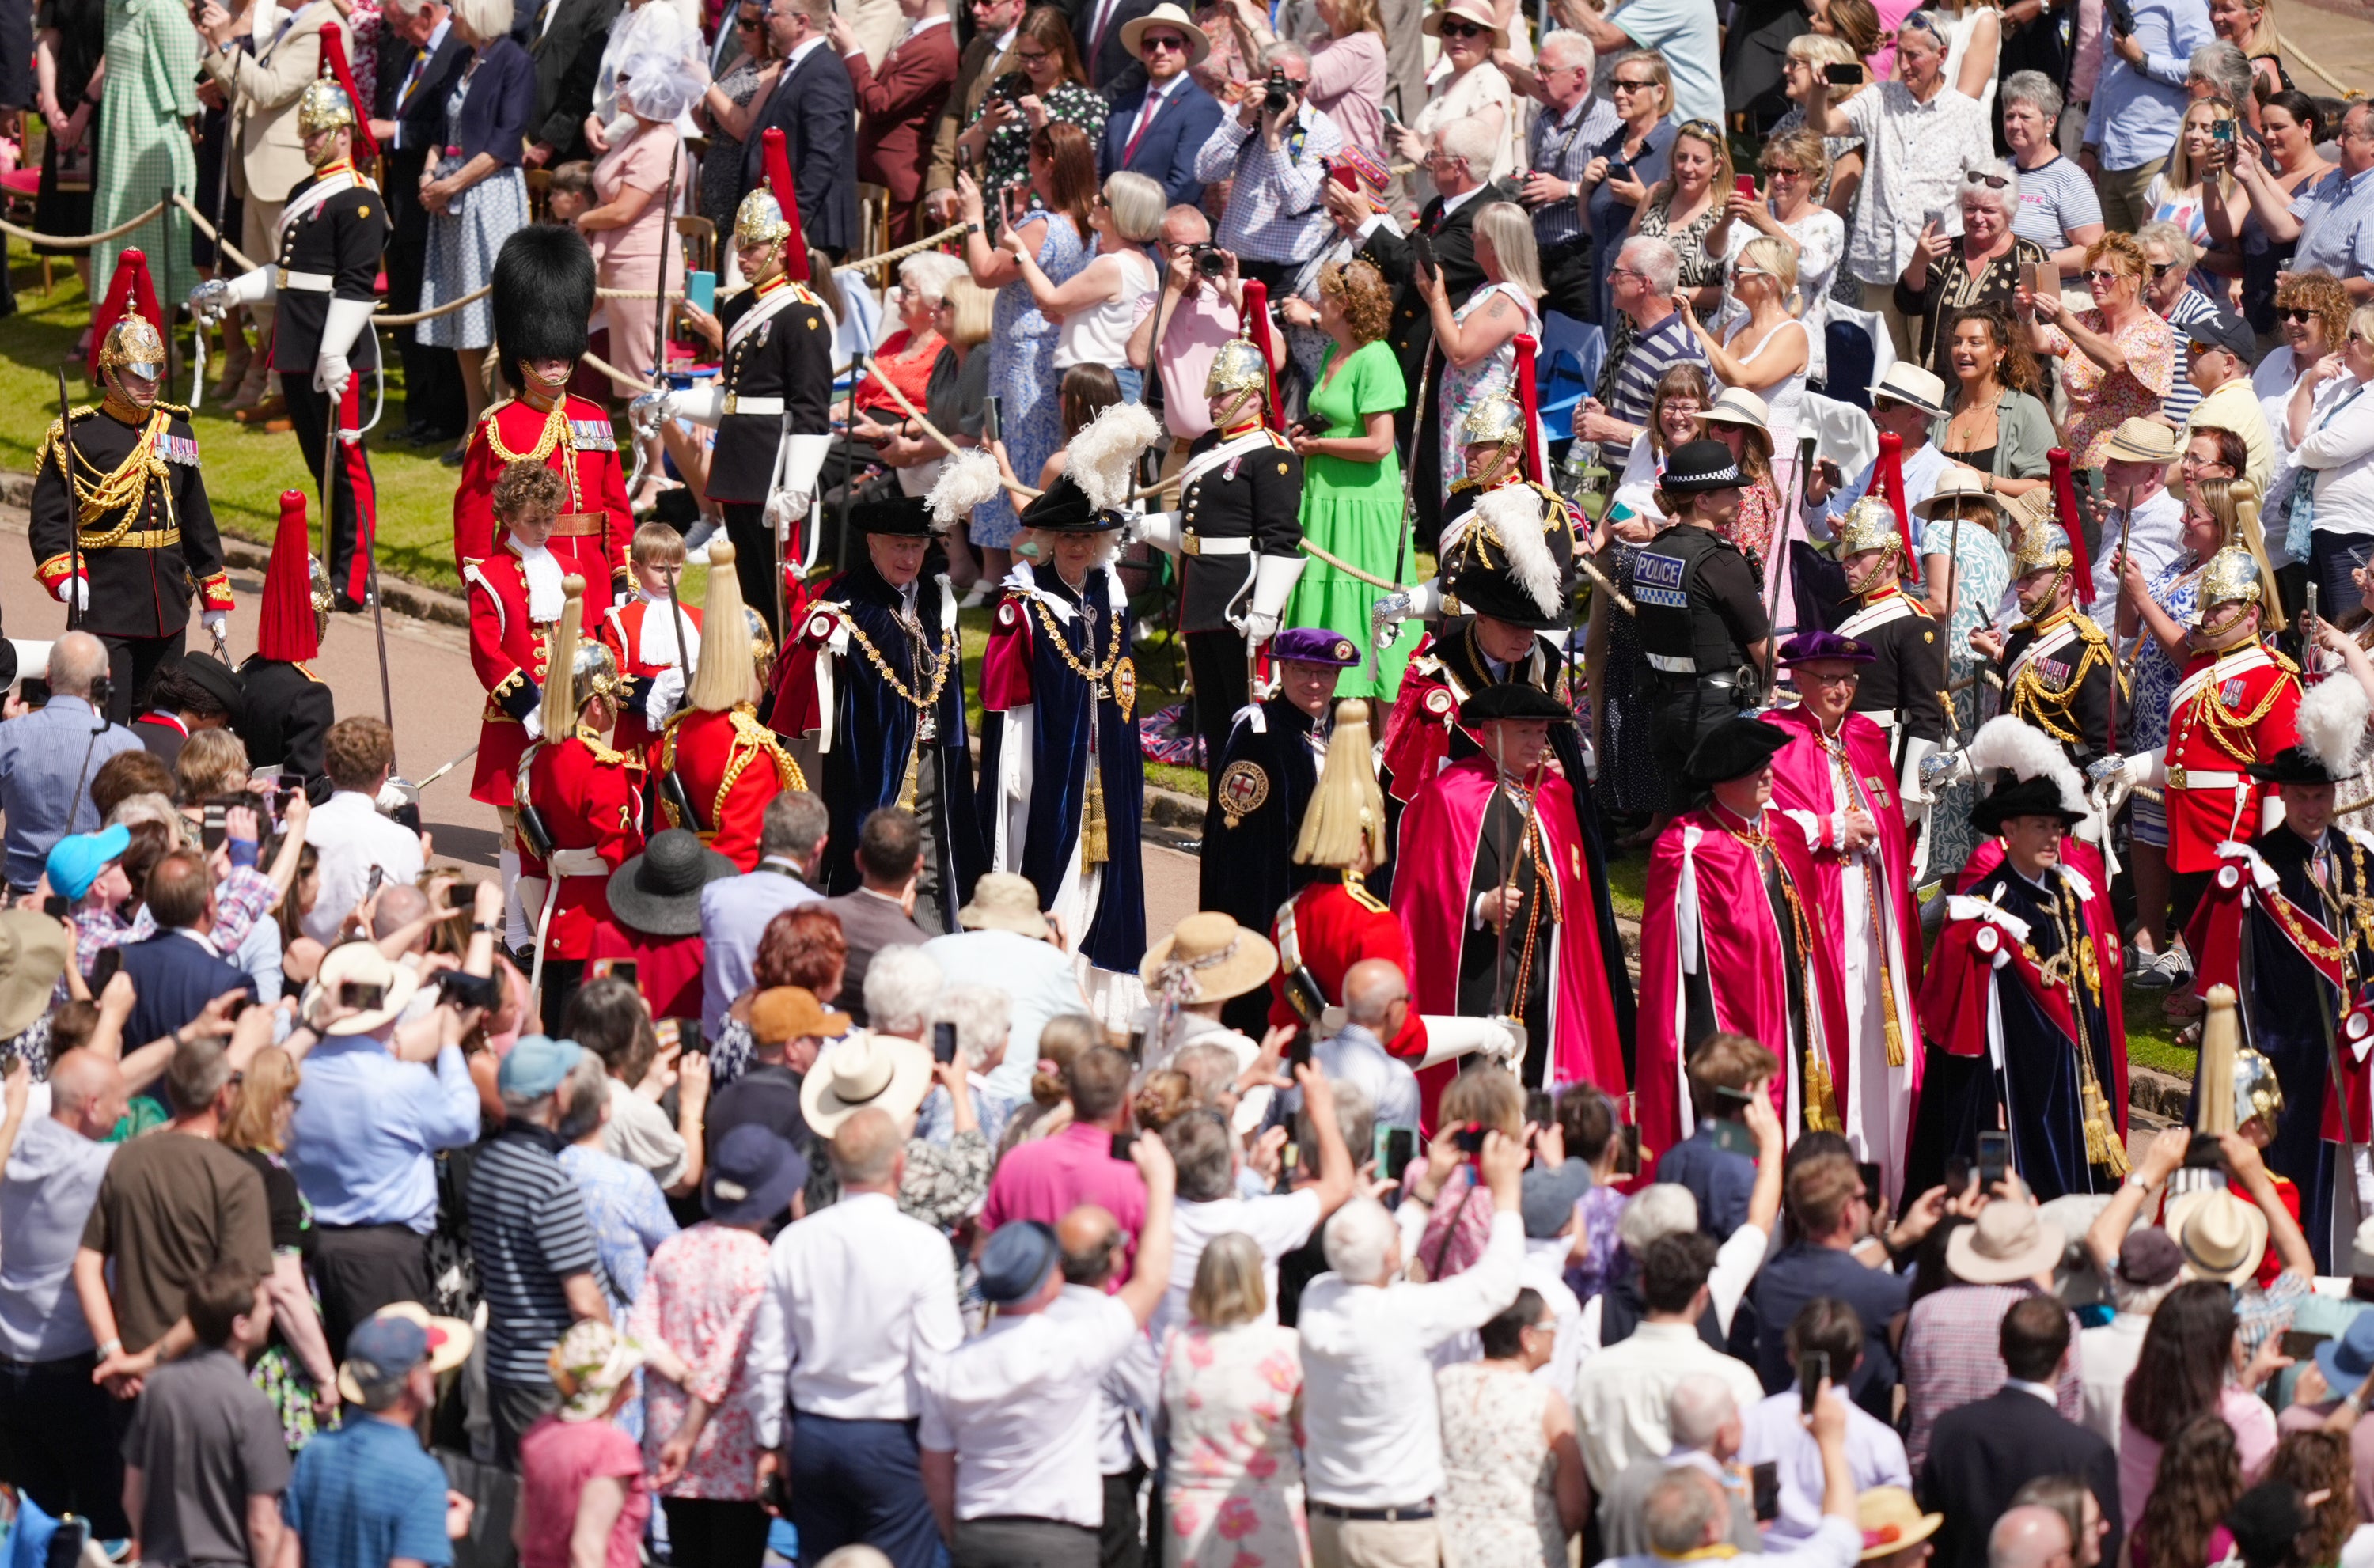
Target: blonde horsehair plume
[[1347, 811], [2010, 742], [967, 479], [1512, 516], [559, 684], [2332, 723], [1104, 453], [725, 676], [2254, 536]]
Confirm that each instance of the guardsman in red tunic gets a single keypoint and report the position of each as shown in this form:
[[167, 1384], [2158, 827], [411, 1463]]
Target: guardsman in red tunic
[[544, 292], [642, 633], [1335, 922], [720, 765], [515, 602], [580, 808], [2236, 706]]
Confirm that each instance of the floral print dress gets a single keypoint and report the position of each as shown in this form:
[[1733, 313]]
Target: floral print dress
[[1981, 574], [1496, 372], [2175, 587], [1234, 1498], [2099, 402], [700, 1298], [1006, 161], [1499, 1504]]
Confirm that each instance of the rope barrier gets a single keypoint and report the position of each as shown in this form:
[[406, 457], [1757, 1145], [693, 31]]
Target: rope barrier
[[191, 208], [446, 309], [2297, 56], [603, 368], [79, 241]]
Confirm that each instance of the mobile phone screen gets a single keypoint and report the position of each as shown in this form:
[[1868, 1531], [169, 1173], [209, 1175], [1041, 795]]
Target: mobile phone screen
[[1122, 1142], [1994, 1157], [1401, 1147], [944, 1042]]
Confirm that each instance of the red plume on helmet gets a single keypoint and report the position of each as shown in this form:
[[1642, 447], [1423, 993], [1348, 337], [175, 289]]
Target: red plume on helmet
[[285, 626], [334, 63], [1888, 478], [129, 292], [1529, 398], [1257, 312], [2065, 507], [787, 196]]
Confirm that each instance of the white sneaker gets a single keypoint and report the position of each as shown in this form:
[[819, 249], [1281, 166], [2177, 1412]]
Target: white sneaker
[[976, 596]]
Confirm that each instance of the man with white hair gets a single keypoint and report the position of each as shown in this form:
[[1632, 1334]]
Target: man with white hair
[[900, 991], [1707, 1428], [48, 756], [1564, 138], [983, 1019], [1376, 1001], [1374, 1455], [1687, 1511], [1641, 284], [2032, 1537]]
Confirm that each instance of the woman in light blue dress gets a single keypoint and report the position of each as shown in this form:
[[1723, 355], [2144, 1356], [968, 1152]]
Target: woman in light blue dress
[[1022, 345], [1980, 573], [476, 193]]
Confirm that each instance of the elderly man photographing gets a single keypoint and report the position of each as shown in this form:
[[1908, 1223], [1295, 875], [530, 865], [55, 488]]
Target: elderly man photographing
[[48, 756], [1275, 161], [1561, 144]]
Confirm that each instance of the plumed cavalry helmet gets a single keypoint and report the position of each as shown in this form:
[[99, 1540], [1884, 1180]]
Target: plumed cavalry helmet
[[2231, 578], [324, 106], [759, 219], [2257, 1093], [329, 100], [133, 344], [1498, 420], [1238, 366], [1870, 524], [762, 646]]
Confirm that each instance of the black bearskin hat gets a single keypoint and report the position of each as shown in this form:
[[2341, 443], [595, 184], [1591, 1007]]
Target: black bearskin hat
[[544, 297]]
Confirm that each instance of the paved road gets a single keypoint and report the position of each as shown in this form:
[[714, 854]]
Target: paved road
[[437, 702], [2337, 34]]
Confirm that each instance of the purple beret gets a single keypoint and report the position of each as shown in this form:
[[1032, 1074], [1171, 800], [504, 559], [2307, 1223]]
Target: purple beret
[[1807, 647], [1315, 645]]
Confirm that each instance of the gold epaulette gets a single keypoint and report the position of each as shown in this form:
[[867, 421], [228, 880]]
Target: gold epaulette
[[50, 436], [750, 738], [2283, 662], [177, 410], [1359, 893], [603, 753]]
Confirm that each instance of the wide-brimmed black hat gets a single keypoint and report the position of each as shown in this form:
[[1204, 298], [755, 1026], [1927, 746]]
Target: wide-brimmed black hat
[[2039, 796], [1512, 699], [1065, 509], [1494, 591], [907, 516], [2293, 764], [1733, 749], [1695, 466], [220, 680], [658, 891]]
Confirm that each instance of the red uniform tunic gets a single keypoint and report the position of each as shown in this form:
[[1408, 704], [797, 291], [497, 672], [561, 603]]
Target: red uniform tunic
[[591, 799], [1337, 924], [574, 440], [2229, 710], [639, 659], [730, 765], [509, 649]]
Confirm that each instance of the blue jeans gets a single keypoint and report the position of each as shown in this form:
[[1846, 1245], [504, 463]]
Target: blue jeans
[[2331, 557], [1132, 384], [859, 1482]]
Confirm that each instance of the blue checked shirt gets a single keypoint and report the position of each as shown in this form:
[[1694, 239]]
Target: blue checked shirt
[[47, 759], [2136, 113], [1564, 146], [1273, 212], [2335, 236]]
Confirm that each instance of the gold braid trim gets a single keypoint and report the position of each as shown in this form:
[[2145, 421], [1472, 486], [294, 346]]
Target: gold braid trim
[[1820, 1103], [556, 435], [603, 752], [2224, 730], [119, 490], [2039, 705], [751, 739]]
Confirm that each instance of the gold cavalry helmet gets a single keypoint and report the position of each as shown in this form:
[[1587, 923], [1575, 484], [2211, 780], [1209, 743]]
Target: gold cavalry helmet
[[1870, 524], [594, 671], [2037, 546], [1237, 368], [2257, 1093], [319, 594], [324, 106], [1498, 420], [759, 219], [2232, 575], [133, 344], [762, 646]]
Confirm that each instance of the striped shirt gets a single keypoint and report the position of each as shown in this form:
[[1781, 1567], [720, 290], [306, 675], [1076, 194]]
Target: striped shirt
[[1629, 381], [2054, 197], [2335, 236], [365, 1494], [1564, 146], [2190, 306], [528, 1233]]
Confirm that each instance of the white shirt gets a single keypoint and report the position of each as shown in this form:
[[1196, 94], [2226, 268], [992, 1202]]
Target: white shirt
[[1036, 976], [1017, 1406], [1736, 1264], [350, 838], [2107, 1358], [1621, 1396], [2155, 538], [2340, 448], [1373, 1436], [861, 1300], [1773, 1431], [1278, 1226], [1835, 1544]]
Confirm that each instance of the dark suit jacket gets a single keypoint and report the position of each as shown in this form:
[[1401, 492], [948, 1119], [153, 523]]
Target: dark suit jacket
[[1111, 67], [497, 115], [980, 63], [900, 103], [568, 62], [869, 923], [1166, 153], [1985, 1451], [419, 119], [172, 980], [814, 107]]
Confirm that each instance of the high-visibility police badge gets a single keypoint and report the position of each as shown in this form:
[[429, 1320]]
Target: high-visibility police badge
[[1243, 787]]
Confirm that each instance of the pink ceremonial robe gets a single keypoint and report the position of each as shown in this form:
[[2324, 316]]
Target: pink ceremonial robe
[[1439, 834]]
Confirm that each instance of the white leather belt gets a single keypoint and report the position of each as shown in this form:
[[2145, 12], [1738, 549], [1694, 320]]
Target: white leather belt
[[2193, 778], [1672, 665], [1198, 545], [737, 403], [305, 281], [577, 862]]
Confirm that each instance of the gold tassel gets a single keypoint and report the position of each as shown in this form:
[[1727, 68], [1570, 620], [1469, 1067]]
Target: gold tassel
[[1821, 1098], [1093, 849], [914, 763], [2102, 1145], [1893, 1030]]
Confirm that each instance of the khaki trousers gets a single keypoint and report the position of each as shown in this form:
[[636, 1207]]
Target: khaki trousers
[[259, 226], [2125, 207], [1373, 1543]]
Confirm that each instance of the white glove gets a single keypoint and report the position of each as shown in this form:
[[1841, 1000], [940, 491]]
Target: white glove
[[331, 374], [1449, 1037], [74, 590], [702, 404], [1273, 581], [347, 322], [783, 509], [210, 300], [667, 690], [2114, 778], [803, 461], [534, 723], [254, 286], [1420, 603], [1160, 530], [1942, 771], [217, 623]]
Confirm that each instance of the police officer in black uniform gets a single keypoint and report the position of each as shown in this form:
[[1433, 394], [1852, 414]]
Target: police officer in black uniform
[[1700, 618], [1238, 533], [148, 533], [772, 405], [332, 231]]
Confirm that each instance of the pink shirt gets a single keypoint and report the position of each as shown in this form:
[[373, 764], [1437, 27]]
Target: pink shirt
[[1191, 337], [2254, 1443], [1048, 1179], [557, 1458], [643, 161]]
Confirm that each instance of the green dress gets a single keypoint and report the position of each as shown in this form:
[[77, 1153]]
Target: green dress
[[1353, 511], [152, 72]]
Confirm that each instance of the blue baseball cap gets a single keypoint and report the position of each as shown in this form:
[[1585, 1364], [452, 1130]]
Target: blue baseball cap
[[382, 1348], [77, 860], [1017, 1261], [536, 1065]]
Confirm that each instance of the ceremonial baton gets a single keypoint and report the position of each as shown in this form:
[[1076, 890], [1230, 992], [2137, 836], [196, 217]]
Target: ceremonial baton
[[74, 504]]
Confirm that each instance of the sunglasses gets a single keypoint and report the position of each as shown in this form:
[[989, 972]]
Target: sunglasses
[[1462, 30], [1705, 130], [2099, 274], [1992, 181], [1162, 40], [2294, 313], [1782, 172], [1631, 84]]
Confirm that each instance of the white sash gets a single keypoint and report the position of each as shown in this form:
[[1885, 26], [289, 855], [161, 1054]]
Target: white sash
[[764, 310], [2050, 643], [2225, 669], [1251, 441], [1895, 607], [316, 194]]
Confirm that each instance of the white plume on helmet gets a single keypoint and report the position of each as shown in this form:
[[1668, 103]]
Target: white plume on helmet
[[2332, 723], [1511, 516], [2010, 742]]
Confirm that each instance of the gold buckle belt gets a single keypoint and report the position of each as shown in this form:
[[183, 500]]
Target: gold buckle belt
[[144, 539], [737, 403], [1196, 544], [2178, 779]]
